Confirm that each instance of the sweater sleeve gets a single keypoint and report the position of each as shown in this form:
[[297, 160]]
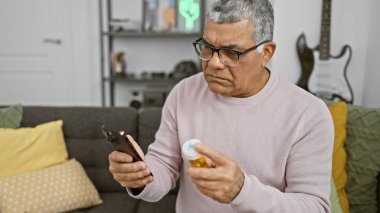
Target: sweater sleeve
[[308, 171], [164, 155]]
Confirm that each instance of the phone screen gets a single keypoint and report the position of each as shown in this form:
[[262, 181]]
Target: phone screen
[[120, 141]]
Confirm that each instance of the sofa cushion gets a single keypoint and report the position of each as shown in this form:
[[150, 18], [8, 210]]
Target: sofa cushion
[[58, 188], [10, 117], [363, 158], [166, 204], [334, 199], [28, 149], [148, 123], [113, 203], [378, 193], [95, 161], [83, 138]]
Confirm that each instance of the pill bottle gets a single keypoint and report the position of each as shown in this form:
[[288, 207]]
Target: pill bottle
[[196, 159]]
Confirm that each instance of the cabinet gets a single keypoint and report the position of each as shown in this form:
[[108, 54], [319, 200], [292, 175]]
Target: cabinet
[[151, 48]]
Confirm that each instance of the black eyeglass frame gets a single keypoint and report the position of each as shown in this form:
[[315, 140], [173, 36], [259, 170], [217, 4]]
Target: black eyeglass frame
[[239, 53]]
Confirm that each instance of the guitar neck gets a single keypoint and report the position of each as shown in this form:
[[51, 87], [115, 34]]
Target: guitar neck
[[324, 44]]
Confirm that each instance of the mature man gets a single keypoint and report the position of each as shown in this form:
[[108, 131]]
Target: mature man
[[269, 143]]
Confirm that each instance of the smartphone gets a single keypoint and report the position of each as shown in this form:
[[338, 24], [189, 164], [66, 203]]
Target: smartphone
[[120, 141]]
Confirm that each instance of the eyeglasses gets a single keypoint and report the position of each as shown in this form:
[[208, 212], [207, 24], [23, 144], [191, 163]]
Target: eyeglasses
[[229, 57]]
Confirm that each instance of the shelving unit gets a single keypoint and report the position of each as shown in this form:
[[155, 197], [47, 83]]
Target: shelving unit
[[107, 37], [140, 80], [149, 34]]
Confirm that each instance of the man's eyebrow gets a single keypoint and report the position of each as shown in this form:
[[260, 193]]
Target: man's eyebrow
[[230, 46]]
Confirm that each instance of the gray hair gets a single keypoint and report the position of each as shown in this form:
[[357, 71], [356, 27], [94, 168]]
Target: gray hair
[[260, 12]]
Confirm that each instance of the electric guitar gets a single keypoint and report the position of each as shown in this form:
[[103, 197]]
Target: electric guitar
[[322, 74]]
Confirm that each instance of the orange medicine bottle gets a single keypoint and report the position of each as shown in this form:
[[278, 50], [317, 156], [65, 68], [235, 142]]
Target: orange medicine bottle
[[195, 159]]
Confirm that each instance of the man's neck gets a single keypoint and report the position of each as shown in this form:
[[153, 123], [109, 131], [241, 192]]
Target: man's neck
[[261, 81]]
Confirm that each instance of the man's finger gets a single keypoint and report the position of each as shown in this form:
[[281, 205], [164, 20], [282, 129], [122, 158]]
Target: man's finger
[[210, 163], [131, 176], [120, 157], [209, 185], [216, 157], [209, 174], [128, 167]]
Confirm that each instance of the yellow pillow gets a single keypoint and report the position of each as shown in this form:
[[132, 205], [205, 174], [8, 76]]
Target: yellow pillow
[[339, 114], [59, 188], [28, 149]]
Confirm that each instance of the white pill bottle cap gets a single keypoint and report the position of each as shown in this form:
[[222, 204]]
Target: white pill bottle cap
[[188, 150]]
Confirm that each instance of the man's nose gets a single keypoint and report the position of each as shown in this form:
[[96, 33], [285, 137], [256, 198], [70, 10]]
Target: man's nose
[[215, 60]]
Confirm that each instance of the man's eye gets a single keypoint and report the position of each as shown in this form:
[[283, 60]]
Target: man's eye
[[229, 53]]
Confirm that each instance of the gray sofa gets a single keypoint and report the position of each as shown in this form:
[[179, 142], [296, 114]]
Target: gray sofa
[[85, 143]]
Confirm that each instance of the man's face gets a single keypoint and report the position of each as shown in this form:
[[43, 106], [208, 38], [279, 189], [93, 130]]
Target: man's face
[[239, 80]]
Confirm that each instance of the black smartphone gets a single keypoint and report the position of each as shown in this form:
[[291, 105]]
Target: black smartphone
[[120, 141]]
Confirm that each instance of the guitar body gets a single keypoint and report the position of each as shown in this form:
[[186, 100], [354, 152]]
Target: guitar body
[[306, 58], [324, 78], [328, 79]]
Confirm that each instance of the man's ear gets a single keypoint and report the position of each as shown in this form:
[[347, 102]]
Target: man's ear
[[268, 52]]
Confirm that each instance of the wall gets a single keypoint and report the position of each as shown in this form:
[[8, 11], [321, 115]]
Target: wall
[[371, 92]]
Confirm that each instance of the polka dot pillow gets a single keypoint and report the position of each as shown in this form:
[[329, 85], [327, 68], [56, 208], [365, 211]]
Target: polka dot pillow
[[58, 188]]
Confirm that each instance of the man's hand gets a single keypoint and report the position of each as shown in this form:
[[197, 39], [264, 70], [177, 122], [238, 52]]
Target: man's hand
[[223, 181], [128, 174]]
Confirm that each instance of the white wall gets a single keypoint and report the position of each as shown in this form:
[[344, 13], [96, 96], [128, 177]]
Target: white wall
[[371, 92]]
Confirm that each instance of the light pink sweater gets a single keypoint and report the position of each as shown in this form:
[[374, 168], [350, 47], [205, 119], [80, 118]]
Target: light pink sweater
[[282, 138]]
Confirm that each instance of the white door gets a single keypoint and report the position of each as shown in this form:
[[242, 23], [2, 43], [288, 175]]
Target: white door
[[33, 57]]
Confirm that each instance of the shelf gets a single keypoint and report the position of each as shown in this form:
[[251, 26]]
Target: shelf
[[133, 34], [142, 80], [111, 34]]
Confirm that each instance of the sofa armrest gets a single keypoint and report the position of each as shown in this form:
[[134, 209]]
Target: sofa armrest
[[378, 193]]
